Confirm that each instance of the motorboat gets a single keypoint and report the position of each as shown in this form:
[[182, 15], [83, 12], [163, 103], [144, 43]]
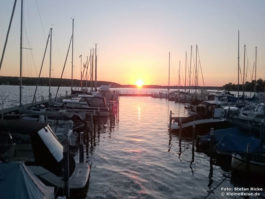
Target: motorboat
[[206, 115], [26, 185], [36, 144], [251, 163]]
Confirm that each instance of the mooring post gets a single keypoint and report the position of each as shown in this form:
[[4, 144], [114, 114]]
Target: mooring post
[[81, 148], [92, 128], [66, 166], [170, 119], [193, 131], [87, 139], [180, 125], [212, 139]]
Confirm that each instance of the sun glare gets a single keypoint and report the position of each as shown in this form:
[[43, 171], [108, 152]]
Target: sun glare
[[139, 83]]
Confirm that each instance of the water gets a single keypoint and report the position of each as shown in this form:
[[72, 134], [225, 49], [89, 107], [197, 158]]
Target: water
[[9, 95], [136, 157], [140, 159]]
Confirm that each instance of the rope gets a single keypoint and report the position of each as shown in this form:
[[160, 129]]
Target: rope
[[200, 67], [7, 34]]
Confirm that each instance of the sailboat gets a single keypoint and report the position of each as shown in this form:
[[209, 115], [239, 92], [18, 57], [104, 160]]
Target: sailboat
[[36, 144]]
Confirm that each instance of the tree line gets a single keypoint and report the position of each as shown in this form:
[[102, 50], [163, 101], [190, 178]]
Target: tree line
[[259, 86], [44, 81]]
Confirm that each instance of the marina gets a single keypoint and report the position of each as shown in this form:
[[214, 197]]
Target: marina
[[156, 163], [123, 118]]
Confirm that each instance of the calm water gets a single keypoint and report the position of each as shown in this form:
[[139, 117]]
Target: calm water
[[9, 95], [140, 159], [134, 156]]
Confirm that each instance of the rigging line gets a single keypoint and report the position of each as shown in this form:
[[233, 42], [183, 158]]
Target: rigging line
[[89, 65], [246, 72], [34, 97], [200, 67], [41, 21], [64, 66], [240, 74], [85, 69], [252, 73], [31, 52], [247, 68], [7, 34]]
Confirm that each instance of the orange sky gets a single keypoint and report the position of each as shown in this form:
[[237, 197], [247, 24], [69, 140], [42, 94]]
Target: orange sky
[[134, 38]]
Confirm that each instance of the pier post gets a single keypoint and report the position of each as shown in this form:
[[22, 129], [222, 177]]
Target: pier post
[[66, 167], [87, 141], [92, 129], [180, 126], [81, 148], [193, 131], [170, 119], [211, 140]]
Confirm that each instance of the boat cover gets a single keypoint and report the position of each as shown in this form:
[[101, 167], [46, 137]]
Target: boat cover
[[17, 181], [232, 140]]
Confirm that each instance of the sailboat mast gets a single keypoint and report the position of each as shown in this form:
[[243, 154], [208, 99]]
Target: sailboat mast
[[185, 69], [179, 74], [196, 70], [190, 67], [96, 67], [50, 68], [81, 74], [168, 73], [243, 83], [238, 66], [256, 54], [21, 49], [87, 62], [72, 74], [8, 30], [92, 70]]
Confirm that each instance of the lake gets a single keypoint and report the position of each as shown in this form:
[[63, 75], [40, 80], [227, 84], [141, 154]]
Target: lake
[[134, 155], [139, 158]]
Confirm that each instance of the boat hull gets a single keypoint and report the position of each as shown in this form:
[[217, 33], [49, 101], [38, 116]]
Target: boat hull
[[242, 164], [201, 126]]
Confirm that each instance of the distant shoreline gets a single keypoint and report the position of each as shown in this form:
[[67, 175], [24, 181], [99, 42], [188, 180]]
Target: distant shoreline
[[44, 81]]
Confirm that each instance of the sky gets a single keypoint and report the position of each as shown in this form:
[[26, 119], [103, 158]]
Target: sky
[[134, 38]]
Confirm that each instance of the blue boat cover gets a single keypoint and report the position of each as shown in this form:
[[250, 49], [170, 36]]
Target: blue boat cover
[[17, 181], [232, 140]]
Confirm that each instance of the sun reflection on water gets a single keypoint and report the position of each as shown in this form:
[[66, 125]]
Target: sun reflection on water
[[139, 112]]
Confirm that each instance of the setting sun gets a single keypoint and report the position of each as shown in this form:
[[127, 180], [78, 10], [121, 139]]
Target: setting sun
[[139, 83]]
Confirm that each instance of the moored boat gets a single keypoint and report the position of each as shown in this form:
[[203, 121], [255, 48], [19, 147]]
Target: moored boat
[[205, 116], [36, 144], [249, 163]]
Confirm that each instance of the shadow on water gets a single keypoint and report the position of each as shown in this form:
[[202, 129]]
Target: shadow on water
[[139, 158], [237, 179], [96, 127]]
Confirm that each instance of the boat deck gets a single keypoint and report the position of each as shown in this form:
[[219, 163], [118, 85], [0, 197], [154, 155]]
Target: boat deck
[[77, 180]]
